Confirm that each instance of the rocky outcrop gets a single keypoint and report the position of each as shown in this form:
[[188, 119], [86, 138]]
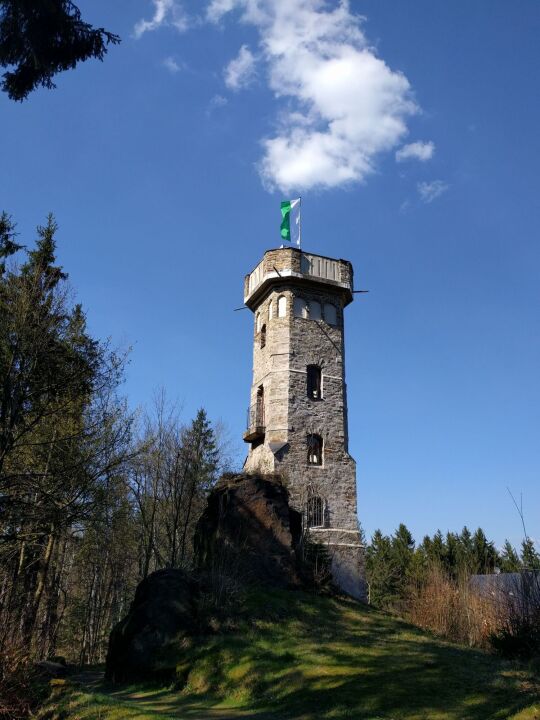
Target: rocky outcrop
[[246, 535], [147, 641], [248, 530]]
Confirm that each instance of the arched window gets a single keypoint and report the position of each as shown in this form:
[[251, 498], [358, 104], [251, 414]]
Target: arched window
[[263, 335], [330, 313], [315, 512], [282, 306], [315, 449], [315, 312], [300, 307], [258, 322], [270, 310], [314, 387]]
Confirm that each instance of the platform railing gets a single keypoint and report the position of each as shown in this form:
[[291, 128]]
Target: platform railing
[[255, 417]]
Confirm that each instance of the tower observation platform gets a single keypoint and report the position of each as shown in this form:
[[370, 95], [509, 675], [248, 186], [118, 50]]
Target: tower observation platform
[[297, 417]]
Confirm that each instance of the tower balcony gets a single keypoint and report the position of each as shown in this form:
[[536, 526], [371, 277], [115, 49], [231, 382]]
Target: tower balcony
[[291, 265], [255, 426]]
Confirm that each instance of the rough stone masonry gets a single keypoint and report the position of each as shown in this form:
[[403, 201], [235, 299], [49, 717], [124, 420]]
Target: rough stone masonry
[[297, 420]]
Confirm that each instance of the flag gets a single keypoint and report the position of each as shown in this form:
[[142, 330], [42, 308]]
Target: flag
[[290, 220]]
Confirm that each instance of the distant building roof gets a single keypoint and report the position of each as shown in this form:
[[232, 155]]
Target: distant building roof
[[520, 590]]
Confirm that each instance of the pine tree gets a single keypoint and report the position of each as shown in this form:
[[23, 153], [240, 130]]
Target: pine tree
[[201, 455], [403, 548], [403, 554], [510, 561], [437, 550], [454, 555], [8, 246], [40, 39], [466, 551], [530, 558], [484, 554], [381, 571]]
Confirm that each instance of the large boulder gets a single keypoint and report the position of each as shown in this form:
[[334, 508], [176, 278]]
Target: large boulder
[[162, 616], [246, 535], [249, 531]]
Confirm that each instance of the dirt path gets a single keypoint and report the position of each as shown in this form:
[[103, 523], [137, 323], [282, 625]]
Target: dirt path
[[90, 679], [160, 701]]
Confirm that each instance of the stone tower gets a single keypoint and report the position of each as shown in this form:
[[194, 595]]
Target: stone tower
[[297, 419]]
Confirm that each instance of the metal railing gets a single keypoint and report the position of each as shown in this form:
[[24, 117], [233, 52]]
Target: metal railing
[[255, 417]]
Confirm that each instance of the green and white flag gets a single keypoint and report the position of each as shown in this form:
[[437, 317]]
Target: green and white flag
[[290, 220]]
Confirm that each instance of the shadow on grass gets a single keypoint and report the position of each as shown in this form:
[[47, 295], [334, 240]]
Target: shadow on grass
[[302, 656]]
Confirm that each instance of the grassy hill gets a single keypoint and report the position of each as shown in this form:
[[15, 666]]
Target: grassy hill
[[293, 655]]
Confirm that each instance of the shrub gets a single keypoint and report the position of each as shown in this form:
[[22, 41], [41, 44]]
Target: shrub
[[21, 690], [519, 633], [451, 609]]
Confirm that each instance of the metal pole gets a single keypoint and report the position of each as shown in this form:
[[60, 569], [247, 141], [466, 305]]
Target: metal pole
[[300, 222]]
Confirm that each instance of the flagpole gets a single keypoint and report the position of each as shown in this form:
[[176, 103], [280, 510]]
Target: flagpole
[[300, 223]]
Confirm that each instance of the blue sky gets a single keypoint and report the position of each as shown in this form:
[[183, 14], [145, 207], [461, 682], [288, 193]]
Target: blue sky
[[165, 165]]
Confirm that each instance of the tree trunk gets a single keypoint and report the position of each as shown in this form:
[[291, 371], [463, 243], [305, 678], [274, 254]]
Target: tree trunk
[[41, 578]]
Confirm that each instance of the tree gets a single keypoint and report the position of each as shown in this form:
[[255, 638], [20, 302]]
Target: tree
[[484, 554], [85, 509], [402, 549], [435, 549], [381, 571], [453, 555], [8, 246], [510, 561], [104, 572], [466, 543], [201, 456], [63, 431], [171, 476], [40, 38], [530, 557]]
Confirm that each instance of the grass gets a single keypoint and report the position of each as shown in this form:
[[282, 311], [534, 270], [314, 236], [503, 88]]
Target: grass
[[300, 656]]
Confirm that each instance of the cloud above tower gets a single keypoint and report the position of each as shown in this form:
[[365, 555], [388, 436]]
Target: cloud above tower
[[416, 151], [166, 13], [240, 72], [342, 104]]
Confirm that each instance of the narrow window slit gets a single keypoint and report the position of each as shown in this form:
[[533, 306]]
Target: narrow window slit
[[314, 385]]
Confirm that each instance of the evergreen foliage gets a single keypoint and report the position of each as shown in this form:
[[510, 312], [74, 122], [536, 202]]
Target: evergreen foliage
[[40, 39], [394, 564], [530, 557], [509, 559]]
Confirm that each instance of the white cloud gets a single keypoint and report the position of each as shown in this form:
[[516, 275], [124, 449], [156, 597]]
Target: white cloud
[[216, 102], [217, 8], [240, 72], [345, 105], [428, 191], [405, 205], [166, 12], [172, 65], [416, 151]]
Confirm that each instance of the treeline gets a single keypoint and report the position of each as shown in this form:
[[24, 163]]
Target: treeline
[[92, 496], [396, 565], [430, 586]]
